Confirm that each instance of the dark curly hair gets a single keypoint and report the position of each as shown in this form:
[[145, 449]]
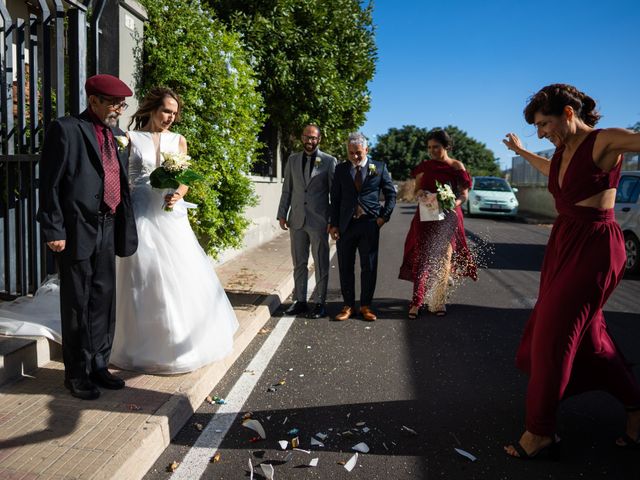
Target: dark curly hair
[[441, 137], [552, 99], [153, 100]]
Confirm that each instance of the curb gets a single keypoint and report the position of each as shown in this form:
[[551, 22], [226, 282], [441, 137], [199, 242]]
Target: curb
[[136, 457]]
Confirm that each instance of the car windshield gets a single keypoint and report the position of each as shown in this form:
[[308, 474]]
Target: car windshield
[[491, 185]]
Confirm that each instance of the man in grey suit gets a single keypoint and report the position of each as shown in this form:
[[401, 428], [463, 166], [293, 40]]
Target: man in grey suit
[[304, 211]]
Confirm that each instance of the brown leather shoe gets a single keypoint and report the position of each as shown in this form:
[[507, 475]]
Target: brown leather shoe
[[345, 313], [367, 314]]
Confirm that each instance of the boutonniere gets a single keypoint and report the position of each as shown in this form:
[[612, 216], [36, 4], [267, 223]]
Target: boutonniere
[[122, 141], [317, 163], [372, 170]]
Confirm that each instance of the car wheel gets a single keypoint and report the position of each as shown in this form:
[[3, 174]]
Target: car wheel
[[632, 248]]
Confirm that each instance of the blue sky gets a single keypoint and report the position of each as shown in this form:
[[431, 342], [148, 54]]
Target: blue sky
[[474, 64]]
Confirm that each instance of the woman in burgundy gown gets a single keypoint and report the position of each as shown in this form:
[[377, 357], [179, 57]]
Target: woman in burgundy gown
[[565, 348], [434, 250]]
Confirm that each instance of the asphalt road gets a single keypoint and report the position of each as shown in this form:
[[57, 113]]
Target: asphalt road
[[451, 380]]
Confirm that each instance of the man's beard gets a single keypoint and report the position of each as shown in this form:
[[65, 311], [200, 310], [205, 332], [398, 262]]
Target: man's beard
[[111, 120]]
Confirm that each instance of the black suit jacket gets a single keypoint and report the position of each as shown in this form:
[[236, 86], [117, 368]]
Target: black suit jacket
[[72, 186], [345, 198]]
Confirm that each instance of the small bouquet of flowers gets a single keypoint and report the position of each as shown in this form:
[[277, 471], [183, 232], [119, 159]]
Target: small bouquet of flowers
[[434, 205], [173, 172]]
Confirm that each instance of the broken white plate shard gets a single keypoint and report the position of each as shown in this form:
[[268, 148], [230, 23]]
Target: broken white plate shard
[[267, 470], [256, 426], [285, 420], [313, 462], [316, 443], [351, 463], [283, 444], [466, 454], [385, 446], [288, 457], [322, 436], [250, 470], [409, 430], [361, 424], [365, 430], [308, 452], [361, 447]]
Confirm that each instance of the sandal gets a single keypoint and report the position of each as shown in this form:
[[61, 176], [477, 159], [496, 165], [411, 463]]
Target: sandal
[[441, 312], [627, 441], [552, 450], [413, 313]]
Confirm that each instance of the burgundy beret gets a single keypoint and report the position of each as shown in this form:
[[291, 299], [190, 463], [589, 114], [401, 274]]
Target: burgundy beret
[[107, 85]]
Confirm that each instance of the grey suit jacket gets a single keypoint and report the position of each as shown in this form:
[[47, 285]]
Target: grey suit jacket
[[305, 199]]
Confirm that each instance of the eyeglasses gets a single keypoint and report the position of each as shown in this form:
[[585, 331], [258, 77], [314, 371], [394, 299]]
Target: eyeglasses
[[311, 137], [113, 104]]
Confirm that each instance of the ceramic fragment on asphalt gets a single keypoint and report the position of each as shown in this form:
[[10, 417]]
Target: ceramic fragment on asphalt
[[313, 462], [283, 444], [361, 447], [466, 454], [351, 463], [267, 470], [308, 452], [366, 430], [293, 431], [316, 443], [295, 442], [250, 470], [256, 426], [322, 436]]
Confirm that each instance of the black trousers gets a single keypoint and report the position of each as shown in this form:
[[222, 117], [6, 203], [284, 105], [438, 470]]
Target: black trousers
[[363, 236], [87, 305]]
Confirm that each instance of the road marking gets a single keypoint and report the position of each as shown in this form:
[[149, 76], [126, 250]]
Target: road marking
[[198, 457]]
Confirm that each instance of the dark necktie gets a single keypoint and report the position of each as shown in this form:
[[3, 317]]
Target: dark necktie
[[357, 180], [111, 168]]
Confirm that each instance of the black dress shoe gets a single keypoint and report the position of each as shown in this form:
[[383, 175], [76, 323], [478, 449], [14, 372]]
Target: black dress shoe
[[106, 379], [318, 311], [82, 388], [296, 308]]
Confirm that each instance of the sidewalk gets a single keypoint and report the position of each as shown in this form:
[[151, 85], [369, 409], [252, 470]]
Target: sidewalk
[[45, 433]]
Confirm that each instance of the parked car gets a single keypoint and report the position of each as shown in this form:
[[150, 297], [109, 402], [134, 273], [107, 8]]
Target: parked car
[[491, 196], [627, 211]]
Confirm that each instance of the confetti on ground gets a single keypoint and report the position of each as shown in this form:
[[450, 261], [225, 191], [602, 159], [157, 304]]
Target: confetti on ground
[[264, 331], [247, 415], [198, 426], [351, 463], [132, 407], [308, 452], [256, 426], [285, 420], [366, 430], [215, 458], [361, 447], [408, 430], [361, 424], [173, 467], [466, 454], [295, 442], [293, 431]]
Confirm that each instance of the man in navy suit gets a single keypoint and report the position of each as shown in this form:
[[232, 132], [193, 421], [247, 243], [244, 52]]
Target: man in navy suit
[[356, 219]]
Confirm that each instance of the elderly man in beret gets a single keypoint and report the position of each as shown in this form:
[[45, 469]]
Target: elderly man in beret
[[86, 219]]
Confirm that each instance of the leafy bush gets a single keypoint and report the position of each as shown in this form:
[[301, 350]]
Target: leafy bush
[[187, 50]]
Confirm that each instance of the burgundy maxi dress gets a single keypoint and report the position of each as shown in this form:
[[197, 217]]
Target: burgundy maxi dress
[[565, 348], [427, 242]]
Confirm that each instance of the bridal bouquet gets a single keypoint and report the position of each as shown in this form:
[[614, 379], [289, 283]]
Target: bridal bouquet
[[434, 205], [173, 172]]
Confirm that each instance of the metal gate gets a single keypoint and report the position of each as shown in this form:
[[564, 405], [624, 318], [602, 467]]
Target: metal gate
[[43, 67]]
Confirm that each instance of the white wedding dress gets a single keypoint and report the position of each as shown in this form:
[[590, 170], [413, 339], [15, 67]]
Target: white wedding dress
[[172, 314]]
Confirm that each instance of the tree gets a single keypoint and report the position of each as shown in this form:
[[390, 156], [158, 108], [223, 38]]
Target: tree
[[314, 59], [636, 127], [207, 66], [404, 148]]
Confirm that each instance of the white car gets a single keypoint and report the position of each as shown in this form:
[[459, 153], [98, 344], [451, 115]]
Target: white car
[[491, 196], [627, 211]]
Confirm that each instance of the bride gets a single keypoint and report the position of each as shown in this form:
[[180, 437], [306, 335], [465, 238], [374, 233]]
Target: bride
[[172, 314]]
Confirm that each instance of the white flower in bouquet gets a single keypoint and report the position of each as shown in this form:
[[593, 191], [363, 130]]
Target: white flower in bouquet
[[175, 161], [446, 197]]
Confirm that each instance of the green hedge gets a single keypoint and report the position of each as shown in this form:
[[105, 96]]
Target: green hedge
[[186, 49]]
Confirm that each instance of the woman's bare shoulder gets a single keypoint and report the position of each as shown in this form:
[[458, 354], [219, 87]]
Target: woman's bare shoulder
[[457, 164]]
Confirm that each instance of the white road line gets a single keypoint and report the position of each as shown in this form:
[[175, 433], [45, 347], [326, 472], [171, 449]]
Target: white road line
[[199, 456]]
